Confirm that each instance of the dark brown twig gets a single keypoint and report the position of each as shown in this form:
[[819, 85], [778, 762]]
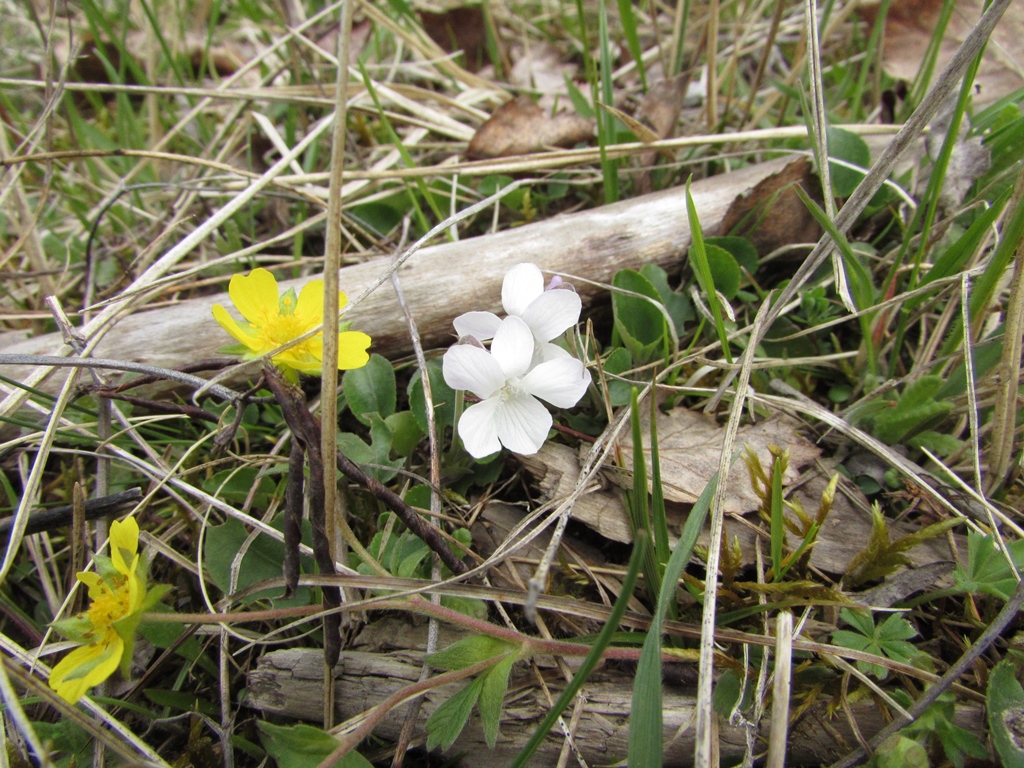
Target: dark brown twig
[[965, 662], [430, 535], [60, 517], [306, 433], [293, 518]]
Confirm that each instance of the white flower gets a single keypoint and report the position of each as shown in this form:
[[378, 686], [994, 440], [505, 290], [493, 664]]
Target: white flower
[[548, 313], [508, 386]]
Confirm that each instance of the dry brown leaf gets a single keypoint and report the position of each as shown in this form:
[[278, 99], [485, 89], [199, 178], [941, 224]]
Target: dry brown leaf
[[661, 105], [520, 127], [690, 445], [540, 69], [556, 469], [460, 29], [771, 214], [909, 27], [660, 109]]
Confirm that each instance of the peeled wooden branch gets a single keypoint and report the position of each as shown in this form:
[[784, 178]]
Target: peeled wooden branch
[[290, 683], [442, 281]]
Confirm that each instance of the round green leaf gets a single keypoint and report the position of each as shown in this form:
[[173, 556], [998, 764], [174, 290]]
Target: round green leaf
[[371, 389], [725, 272]]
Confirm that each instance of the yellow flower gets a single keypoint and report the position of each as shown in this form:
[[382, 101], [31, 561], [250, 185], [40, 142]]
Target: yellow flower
[[273, 320], [107, 629]]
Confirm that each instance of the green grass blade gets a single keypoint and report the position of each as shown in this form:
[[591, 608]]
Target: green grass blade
[[658, 515], [629, 27], [778, 523], [605, 122], [645, 727], [637, 503], [590, 662], [985, 287], [701, 268], [407, 159], [860, 282]]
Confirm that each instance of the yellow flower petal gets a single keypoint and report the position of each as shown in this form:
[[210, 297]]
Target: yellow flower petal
[[94, 582], [310, 306], [86, 666], [124, 543], [255, 296], [267, 326], [352, 346], [229, 324]]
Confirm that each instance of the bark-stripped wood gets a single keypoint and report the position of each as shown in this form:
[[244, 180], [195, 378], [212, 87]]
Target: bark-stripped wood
[[442, 281], [290, 683]]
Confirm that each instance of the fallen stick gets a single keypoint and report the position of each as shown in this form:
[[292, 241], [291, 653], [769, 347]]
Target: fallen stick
[[442, 281], [289, 683]]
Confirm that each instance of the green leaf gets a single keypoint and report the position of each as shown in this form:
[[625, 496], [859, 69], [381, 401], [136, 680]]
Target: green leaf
[[916, 405], [261, 561], [235, 485], [640, 322], [181, 701], [446, 723], [727, 693], [300, 746], [469, 651], [886, 639], [627, 18], [1006, 714], [378, 452], [492, 696], [618, 362], [936, 724], [371, 389], [778, 518], [725, 272], [851, 148], [939, 443], [952, 260], [443, 396], [678, 306], [405, 432], [72, 746], [898, 751], [987, 571], [741, 249]]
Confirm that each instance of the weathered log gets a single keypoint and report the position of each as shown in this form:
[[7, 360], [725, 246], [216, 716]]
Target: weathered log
[[290, 683], [442, 281]]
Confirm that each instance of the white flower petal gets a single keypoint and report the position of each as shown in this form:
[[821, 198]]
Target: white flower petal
[[480, 325], [472, 368], [479, 430], [522, 284], [550, 352], [552, 313], [513, 347], [522, 423], [561, 382]]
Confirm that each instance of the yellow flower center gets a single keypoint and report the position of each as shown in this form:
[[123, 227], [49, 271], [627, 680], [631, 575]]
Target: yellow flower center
[[110, 606], [283, 326]]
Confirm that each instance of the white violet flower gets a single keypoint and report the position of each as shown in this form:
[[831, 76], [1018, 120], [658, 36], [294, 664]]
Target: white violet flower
[[548, 312], [508, 385]]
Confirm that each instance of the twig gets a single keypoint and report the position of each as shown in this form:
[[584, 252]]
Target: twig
[[224, 393], [430, 535], [306, 432], [59, 517], [972, 654]]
